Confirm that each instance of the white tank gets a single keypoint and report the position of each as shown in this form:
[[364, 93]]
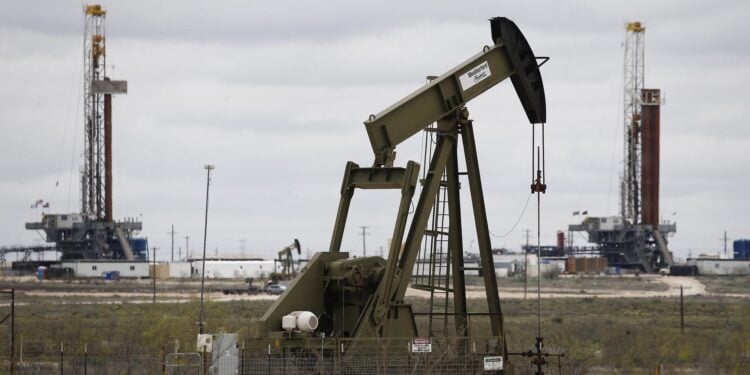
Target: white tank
[[304, 321], [307, 321], [289, 322]]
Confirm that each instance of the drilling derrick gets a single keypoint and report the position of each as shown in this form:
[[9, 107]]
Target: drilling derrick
[[93, 233], [630, 202], [637, 238], [94, 55]]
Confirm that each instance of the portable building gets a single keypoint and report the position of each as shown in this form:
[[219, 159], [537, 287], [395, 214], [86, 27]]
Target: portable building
[[235, 268], [721, 266], [92, 268]]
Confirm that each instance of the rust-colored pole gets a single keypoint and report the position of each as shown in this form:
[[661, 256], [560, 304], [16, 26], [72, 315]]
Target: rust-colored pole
[[108, 157], [650, 111]]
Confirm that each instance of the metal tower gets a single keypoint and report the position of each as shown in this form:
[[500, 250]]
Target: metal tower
[[94, 57], [92, 233], [638, 237], [630, 200]]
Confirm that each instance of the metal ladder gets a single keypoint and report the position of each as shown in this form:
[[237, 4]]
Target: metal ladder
[[433, 270]]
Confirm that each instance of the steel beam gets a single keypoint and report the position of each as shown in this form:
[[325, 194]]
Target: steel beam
[[422, 212], [371, 178], [455, 244], [483, 232], [108, 158], [510, 56], [437, 99]]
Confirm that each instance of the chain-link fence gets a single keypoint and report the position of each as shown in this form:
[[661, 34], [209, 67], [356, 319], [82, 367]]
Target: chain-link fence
[[62, 362], [283, 356], [183, 364], [368, 356], [288, 356]]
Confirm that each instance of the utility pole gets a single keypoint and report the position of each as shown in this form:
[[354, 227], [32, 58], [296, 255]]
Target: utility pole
[[526, 263], [179, 253], [202, 323], [172, 233], [364, 234], [725, 244], [682, 312], [187, 246]]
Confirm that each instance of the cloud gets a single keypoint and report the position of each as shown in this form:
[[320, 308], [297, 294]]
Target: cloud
[[275, 95]]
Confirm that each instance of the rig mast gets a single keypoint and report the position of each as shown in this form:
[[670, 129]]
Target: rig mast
[[93, 233], [630, 202], [636, 238], [94, 57]]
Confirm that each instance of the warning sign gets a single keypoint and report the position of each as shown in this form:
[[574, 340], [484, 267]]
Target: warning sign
[[493, 363], [421, 345]]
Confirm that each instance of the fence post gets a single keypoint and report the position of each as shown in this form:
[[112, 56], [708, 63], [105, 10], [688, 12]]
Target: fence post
[[242, 359], [205, 361], [408, 345], [85, 358], [12, 329], [163, 359], [61, 358]]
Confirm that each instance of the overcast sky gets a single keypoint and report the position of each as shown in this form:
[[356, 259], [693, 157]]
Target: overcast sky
[[275, 93]]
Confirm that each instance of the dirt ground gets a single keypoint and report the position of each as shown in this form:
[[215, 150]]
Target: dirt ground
[[139, 291]]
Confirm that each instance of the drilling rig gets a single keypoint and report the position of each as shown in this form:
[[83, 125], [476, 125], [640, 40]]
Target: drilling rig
[[638, 237], [354, 299], [93, 233]]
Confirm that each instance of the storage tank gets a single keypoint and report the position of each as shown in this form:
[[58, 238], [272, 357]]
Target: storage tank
[[140, 248], [742, 249], [304, 321]]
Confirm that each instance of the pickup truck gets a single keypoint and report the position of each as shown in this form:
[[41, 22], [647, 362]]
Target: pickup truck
[[275, 289]]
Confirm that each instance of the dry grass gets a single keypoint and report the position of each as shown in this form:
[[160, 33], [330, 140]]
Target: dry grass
[[633, 335]]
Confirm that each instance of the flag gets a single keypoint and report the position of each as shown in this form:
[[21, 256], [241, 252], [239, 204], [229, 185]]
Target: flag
[[39, 201], [46, 205], [576, 213], [584, 213]]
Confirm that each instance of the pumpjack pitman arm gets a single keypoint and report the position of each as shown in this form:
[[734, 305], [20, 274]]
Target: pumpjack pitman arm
[[510, 56]]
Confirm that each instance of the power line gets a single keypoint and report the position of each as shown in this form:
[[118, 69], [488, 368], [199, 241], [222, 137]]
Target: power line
[[187, 246], [364, 243], [517, 220], [172, 233]]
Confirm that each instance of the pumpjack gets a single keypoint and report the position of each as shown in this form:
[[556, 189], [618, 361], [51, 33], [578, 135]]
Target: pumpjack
[[286, 260], [363, 297]]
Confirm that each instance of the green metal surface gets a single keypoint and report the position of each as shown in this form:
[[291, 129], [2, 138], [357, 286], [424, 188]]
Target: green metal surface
[[483, 232], [434, 101], [363, 298], [304, 293], [455, 245], [374, 178]]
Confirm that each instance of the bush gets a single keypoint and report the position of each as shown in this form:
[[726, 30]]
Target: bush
[[551, 273]]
